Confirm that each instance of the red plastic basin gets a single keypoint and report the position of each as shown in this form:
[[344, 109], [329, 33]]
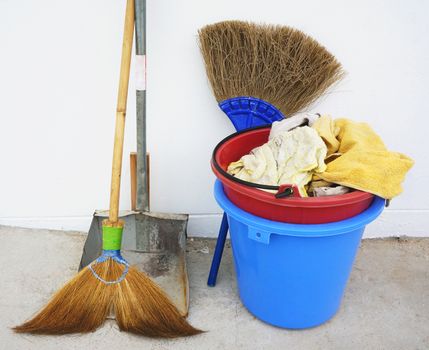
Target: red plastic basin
[[311, 210]]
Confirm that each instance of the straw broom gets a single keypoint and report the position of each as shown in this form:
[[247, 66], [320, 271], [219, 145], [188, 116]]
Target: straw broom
[[109, 283], [278, 64], [260, 74]]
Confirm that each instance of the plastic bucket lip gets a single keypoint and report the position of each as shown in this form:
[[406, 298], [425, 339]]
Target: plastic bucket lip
[[307, 202], [299, 230], [248, 188]]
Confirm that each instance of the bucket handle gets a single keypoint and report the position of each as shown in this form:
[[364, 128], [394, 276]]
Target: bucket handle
[[259, 235]]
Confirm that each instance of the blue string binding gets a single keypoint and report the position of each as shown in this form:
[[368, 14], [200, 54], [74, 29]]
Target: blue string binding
[[114, 255]]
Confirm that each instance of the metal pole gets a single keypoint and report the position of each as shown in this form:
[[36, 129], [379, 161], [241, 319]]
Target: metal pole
[[140, 24]]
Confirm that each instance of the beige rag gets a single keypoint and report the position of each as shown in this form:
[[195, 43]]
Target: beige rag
[[289, 158]]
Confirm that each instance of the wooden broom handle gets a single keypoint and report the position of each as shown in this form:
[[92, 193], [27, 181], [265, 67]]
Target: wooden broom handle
[[121, 110]]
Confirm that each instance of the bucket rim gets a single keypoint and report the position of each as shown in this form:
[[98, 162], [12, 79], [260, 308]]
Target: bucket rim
[[349, 198], [299, 230], [256, 190]]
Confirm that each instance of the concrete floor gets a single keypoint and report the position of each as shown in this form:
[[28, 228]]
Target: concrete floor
[[386, 305]]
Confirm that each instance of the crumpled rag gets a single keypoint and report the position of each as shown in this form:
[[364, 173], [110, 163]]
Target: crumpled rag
[[289, 158], [358, 158]]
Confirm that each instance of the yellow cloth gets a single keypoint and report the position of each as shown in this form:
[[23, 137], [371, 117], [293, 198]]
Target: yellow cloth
[[289, 158], [327, 130], [359, 159]]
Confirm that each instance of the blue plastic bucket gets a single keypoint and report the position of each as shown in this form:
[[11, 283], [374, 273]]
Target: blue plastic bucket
[[293, 275]]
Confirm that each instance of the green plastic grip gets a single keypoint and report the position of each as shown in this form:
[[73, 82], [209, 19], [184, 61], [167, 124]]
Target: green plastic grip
[[112, 238]]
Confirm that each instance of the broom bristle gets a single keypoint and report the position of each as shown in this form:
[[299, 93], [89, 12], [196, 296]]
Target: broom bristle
[[83, 304], [278, 64], [80, 306], [141, 307]]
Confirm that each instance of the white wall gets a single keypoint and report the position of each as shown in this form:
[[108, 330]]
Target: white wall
[[59, 67]]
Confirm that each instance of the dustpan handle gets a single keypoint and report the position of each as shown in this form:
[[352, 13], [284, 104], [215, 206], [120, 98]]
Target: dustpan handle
[[142, 183], [121, 110]]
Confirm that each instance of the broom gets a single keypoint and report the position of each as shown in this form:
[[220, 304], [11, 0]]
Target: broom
[[282, 66], [260, 74], [109, 283]]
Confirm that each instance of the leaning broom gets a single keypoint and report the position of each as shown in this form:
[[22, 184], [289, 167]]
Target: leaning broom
[[109, 284]]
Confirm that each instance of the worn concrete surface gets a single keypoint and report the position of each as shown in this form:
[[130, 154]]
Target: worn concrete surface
[[386, 305]]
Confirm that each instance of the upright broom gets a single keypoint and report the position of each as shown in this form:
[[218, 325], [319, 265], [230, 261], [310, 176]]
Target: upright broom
[[109, 283], [260, 74]]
